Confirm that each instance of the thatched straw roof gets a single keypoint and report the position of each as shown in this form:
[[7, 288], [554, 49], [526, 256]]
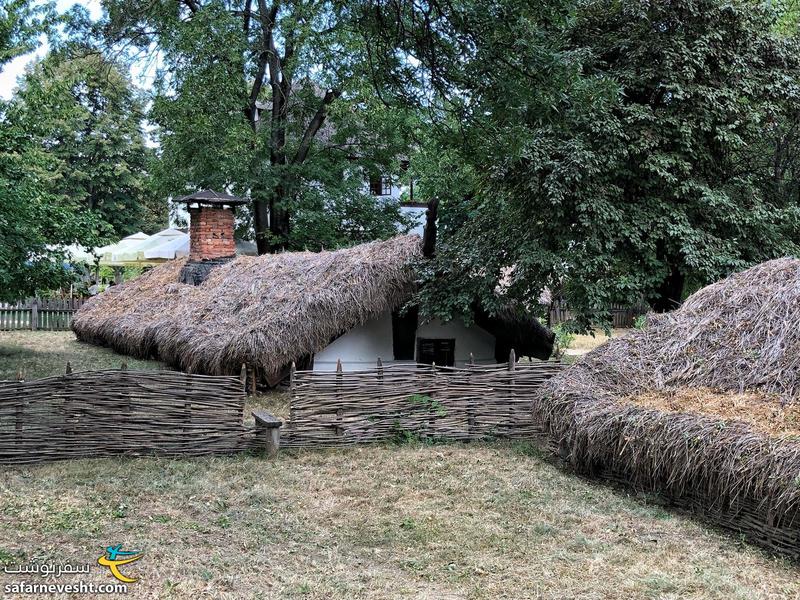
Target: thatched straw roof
[[258, 310], [740, 334]]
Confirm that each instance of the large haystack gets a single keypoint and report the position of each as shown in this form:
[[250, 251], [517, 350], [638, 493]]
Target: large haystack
[[741, 334], [264, 311]]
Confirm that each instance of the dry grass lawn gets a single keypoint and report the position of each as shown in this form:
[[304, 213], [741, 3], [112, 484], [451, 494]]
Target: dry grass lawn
[[45, 353], [388, 521], [584, 343], [453, 521]]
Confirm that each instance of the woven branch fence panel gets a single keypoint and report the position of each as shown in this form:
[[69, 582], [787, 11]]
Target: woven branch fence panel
[[473, 403], [120, 412]]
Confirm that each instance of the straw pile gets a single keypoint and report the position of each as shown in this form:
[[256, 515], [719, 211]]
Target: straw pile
[[264, 311], [742, 335]]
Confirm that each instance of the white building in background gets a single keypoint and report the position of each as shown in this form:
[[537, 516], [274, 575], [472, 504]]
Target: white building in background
[[384, 189], [446, 344]]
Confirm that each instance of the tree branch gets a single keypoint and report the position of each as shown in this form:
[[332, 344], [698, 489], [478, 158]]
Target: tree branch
[[314, 126], [267, 19], [246, 17]]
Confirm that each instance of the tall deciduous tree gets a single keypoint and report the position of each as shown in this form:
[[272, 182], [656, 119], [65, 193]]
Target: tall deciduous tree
[[606, 147], [33, 220], [80, 109], [273, 99]]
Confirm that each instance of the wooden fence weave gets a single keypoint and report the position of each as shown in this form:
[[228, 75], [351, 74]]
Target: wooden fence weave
[[477, 402], [103, 413]]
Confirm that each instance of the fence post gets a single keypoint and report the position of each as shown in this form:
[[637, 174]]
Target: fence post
[[512, 366], [339, 412], [187, 405], [70, 417], [20, 407], [470, 400], [123, 379], [253, 380], [34, 314], [292, 389], [243, 378]]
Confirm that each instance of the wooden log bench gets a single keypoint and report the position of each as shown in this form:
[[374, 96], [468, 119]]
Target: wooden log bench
[[268, 430]]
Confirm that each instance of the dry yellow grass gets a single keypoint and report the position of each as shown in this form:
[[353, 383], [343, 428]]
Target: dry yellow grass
[[454, 521], [766, 413], [584, 343]]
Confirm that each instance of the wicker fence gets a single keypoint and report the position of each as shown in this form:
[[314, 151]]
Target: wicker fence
[[477, 402], [53, 314], [103, 413]]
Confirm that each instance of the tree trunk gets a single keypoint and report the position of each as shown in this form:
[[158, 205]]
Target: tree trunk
[[279, 221], [670, 291], [261, 226]]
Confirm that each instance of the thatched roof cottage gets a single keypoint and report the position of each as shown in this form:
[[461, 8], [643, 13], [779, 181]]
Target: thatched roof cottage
[[312, 308]]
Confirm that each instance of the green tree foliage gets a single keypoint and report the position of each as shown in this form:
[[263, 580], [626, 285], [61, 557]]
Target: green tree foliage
[[273, 100], [80, 109], [607, 150], [21, 23], [32, 219]]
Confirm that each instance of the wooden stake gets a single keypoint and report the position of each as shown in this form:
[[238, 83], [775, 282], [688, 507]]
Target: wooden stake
[[253, 380], [243, 378]]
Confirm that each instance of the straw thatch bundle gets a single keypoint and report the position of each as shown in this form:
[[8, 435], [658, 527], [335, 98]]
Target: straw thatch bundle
[[264, 311], [742, 333]]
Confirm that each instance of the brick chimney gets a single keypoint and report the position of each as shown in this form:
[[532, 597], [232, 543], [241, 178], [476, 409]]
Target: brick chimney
[[211, 227], [211, 233]]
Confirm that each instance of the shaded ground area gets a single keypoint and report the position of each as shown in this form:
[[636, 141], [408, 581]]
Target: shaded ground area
[[385, 521], [45, 353], [767, 413]]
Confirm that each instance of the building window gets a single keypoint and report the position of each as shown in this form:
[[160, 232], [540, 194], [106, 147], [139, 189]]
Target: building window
[[404, 332], [439, 351], [380, 185]]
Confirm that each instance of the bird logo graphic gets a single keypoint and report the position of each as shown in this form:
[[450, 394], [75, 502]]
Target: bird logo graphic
[[115, 557]]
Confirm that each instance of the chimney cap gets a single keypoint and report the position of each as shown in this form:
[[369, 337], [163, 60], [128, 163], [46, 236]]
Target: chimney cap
[[213, 198]]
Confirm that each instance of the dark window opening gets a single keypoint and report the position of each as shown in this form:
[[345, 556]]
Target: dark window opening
[[404, 332], [439, 351], [380, 186]]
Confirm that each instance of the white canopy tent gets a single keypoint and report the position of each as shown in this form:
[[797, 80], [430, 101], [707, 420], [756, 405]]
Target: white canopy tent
[[155, 249], [138, 249]]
